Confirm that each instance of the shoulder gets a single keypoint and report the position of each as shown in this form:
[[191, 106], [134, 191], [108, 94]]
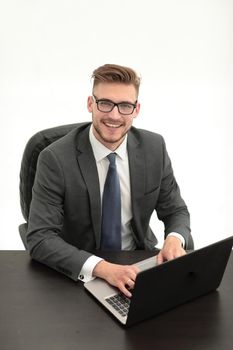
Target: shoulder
[[146, 137], [69, 140], [65, 147]]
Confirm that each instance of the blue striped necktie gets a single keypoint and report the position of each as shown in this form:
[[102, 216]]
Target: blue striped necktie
[[111, 208]]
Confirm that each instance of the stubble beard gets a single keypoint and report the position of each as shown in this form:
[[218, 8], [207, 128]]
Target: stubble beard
[[109, 140]]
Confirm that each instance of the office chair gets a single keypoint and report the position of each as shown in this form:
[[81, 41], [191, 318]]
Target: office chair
[[32, 150]]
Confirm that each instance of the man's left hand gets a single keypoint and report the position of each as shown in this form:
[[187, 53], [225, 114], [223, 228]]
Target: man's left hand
[[172, 248]]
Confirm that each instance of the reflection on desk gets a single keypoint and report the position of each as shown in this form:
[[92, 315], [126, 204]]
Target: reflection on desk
[[42, 309]]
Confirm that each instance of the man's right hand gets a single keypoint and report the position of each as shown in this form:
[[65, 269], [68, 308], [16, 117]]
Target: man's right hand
[[121, 276]]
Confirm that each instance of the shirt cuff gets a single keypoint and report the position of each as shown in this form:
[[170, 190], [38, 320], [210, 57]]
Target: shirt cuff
[[178, 235], [85, 274]]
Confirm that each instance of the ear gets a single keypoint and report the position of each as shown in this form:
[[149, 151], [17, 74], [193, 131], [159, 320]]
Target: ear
[[137, 110], [90, 104]]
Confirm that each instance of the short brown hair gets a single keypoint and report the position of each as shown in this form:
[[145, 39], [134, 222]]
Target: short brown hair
[[113, 73]]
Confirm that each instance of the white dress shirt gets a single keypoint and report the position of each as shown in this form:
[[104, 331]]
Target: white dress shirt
[[122, 163]]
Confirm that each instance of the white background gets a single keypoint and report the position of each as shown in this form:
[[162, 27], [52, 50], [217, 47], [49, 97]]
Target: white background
[[183, 51]]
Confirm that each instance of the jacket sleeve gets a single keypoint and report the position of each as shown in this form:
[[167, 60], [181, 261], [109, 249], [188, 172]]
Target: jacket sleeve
[[171, 208], [46, 220]]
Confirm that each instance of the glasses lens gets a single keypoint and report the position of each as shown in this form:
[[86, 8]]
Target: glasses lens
[[105, 106], [126, 108]]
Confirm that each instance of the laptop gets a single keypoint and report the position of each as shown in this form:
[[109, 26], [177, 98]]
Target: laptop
[[159, 288]]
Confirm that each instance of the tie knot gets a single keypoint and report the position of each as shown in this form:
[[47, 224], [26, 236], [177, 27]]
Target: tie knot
[[112, 158]]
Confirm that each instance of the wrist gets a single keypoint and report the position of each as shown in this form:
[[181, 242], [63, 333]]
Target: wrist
[[179, 236], [173, 240], [100, 269]]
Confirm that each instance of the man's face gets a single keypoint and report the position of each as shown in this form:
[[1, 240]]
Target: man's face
[[111, 127]]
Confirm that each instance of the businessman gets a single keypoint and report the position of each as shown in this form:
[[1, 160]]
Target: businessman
[[97, 187]]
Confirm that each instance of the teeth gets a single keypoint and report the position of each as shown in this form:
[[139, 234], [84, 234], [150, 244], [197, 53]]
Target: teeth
[[112, 125]]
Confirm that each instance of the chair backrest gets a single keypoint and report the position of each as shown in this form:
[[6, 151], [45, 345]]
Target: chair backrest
[[29, 161]]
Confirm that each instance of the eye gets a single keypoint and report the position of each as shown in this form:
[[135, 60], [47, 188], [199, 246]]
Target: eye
[[126, 106], [105, 103]]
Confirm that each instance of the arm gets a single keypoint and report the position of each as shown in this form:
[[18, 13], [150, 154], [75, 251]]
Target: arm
[[44, 236], [172, 210], [46, 219]]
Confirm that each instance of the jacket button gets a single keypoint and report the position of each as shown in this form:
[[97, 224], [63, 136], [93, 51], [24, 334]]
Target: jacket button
[[81, 277]]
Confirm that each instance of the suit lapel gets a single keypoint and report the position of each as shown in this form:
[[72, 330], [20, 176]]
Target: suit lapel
[[86, 160]]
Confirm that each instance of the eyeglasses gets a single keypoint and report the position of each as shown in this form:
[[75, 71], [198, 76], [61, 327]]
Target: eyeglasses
[[106, 106]]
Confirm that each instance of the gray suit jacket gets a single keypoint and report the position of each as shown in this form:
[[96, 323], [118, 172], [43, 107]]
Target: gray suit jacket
[[65, 212]]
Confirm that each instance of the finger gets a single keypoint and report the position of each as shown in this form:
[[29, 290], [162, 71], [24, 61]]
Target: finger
[[159, 258], [129, 284], [181, 252], [131, 273], [124, 290], [169, 255], [133, 276]]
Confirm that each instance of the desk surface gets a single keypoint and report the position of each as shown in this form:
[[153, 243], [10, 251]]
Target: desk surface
[[42, 309]]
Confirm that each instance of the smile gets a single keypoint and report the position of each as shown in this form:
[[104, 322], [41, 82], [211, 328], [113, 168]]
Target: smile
[[112, 125]]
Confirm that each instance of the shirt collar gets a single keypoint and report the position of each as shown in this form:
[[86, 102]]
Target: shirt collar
[[100, 151]]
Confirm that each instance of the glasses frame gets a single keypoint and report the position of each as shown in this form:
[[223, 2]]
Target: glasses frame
[[134, 105]]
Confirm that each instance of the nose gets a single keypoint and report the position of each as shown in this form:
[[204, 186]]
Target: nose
[[115, 113]]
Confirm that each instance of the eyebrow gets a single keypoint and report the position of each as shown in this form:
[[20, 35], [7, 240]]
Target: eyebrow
[[107, 99]]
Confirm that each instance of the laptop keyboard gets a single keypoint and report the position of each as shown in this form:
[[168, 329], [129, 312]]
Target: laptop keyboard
[[120, 303]]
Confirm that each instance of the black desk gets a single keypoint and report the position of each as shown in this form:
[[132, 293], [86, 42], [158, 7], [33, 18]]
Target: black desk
[[41, 309]]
